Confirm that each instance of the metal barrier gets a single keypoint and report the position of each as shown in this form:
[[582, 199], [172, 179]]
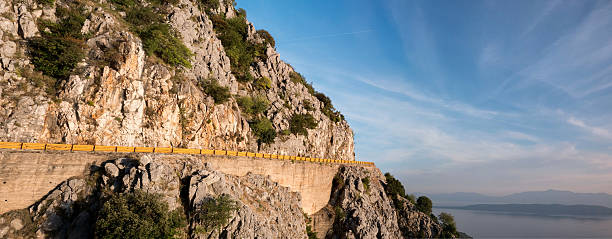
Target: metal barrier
[[164, 150]]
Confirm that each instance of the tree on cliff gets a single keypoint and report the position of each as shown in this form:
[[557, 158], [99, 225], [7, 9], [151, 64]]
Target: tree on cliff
[[424, 204], [449, 228], [138, 215]]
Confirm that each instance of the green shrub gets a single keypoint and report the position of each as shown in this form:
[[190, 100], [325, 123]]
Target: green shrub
[[214, 213], [138, 215], [165, 2], [160, 40], [424, 204], [394, 186], [394, 189], [263, 83], [307, 105], [366, 183], [328, 108], [125, 4], [263, 129], [449, 227], [340, 214], [55, 57], [210, 4], [299, 79], [310, 233], [252, 105], [142, 16], [267, 37], [212, 88], [300, 122], [45, 2], [69, 23], [338, 182], [233, 33]]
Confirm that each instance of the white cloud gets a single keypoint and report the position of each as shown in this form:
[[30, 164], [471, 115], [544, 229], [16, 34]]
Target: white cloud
[[601, 132]]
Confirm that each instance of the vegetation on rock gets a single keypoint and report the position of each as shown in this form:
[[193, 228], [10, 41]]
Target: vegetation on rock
[[158, 38], [45, 2], [60, 47], [267, 37], [212, 88], [394, 189], [213, 213], [252, 105], [424, 205], [328, 108], [299, 79], [263, 83], [138, 215], [300, 122], [233, 33], [263, 129], [449, 228]]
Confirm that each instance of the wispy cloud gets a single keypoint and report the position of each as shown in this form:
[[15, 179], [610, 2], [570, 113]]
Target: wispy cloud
[[601, 132], [545, 12], [579, 53]]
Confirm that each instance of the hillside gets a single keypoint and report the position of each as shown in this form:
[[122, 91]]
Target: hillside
[[157, 73]]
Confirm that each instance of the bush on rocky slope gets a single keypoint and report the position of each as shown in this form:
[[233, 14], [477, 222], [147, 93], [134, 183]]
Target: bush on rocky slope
[[138, 215], [158, 38], [233, 33], [252, 106], [300, 122], [213, 213], [60, 47], [424, 204], [263, 129], [449, 227], [212, 88]]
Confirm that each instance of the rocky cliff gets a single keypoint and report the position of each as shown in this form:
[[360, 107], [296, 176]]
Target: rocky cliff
[[127, 89], [358, 207]]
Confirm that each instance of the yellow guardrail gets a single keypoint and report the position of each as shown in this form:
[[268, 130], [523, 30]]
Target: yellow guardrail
[[166, 150]]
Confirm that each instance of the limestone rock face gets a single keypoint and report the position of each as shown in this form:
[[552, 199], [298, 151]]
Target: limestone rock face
[[119, 95], [360, 208]]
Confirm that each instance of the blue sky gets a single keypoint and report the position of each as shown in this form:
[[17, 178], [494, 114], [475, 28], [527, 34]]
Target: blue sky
[[484, 96]]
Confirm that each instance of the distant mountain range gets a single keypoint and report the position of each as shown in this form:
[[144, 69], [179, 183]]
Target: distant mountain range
[[542, 209], [533, 197]]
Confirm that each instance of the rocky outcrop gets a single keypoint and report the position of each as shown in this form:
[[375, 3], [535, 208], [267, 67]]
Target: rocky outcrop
[[265, 209], [360, 208], [118, 95]]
